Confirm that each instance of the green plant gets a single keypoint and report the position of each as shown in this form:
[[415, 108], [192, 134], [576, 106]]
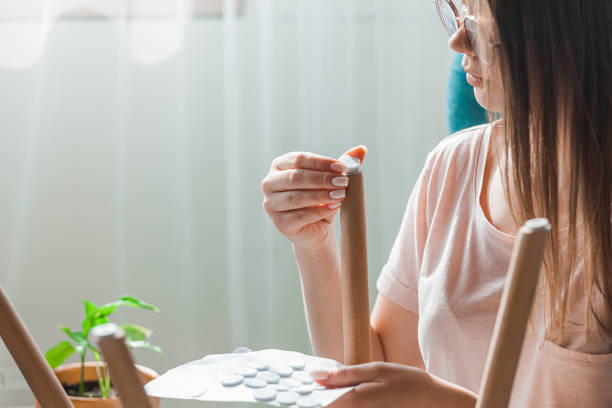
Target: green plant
[[136, 337]]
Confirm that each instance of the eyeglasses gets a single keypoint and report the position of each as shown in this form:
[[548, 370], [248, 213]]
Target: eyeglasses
[[452, 22]]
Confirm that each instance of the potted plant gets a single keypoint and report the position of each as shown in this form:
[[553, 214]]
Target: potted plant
[[88, 383]]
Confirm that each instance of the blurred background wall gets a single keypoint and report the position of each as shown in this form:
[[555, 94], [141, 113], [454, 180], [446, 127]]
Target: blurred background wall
[[132, 148]]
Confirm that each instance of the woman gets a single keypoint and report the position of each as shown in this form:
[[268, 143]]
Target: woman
[[547, 67]]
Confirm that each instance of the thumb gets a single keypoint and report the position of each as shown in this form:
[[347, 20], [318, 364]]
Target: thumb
[[348, 376]]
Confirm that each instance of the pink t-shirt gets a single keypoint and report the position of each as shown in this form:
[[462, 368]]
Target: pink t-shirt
[[449, 264]]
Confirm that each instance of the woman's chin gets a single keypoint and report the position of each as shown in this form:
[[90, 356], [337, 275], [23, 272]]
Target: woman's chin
[[485, 100]]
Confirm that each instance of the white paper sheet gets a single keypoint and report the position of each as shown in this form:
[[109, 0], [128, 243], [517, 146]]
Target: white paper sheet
[[186, 380]]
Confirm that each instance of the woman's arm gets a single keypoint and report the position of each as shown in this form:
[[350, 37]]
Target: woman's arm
[[322, 297], [396, 333], [394, 329], [302, 195]]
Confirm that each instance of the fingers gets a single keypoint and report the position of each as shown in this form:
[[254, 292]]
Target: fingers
[[307, 161], [350, 375], [298, 188], [301, 179], [302, 189], [296, 199], [293, 221]]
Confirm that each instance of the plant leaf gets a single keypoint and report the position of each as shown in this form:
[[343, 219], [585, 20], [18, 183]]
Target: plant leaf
[[90, 310], [90, 307], [92, 320], [98, 315], [77, 337], [107, 309], [142, 344], [131, 301], [57, 354], [133, 332]]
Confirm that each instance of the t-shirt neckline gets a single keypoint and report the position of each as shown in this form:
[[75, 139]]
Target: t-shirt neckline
[[482, 162]]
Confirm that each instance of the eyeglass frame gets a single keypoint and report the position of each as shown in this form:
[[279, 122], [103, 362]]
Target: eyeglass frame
[[461, 24]]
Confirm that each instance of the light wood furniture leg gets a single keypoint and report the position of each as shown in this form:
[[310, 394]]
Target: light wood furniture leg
[[38, 374], [513, 315], [354, 274], [111, 341]]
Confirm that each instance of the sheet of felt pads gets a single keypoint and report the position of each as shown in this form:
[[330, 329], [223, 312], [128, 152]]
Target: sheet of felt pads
[[274, 377]]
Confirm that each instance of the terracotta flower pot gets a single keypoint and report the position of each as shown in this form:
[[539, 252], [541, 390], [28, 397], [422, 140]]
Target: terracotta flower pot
[[71, 374]]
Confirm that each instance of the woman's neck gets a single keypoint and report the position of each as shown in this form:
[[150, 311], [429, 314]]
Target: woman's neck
[[498, 158]]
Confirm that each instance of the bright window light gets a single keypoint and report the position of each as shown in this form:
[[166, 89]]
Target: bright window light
[[155, 27]]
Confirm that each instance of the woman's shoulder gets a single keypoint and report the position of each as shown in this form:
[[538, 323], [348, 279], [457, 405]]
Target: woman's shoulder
[[460, 147], [454, 165]]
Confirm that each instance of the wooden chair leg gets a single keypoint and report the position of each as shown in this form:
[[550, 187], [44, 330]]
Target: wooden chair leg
[[354, 273], [38, 374], [513, 315], [110, 339]]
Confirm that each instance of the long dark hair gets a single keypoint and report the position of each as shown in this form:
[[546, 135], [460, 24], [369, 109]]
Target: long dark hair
[[556, 63]]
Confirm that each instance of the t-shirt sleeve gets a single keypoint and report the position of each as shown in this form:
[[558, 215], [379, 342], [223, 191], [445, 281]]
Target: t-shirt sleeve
[[399, 278]]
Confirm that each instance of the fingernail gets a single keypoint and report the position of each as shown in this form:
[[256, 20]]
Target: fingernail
[[337, 194], [337, 166], [334, 206], [319, 375], [340, 181]]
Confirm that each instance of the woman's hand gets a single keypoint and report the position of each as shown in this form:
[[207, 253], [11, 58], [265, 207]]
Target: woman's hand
[[387, 385], [302, 194]]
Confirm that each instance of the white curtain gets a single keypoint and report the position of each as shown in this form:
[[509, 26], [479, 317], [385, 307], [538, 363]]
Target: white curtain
[[133, 144]]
